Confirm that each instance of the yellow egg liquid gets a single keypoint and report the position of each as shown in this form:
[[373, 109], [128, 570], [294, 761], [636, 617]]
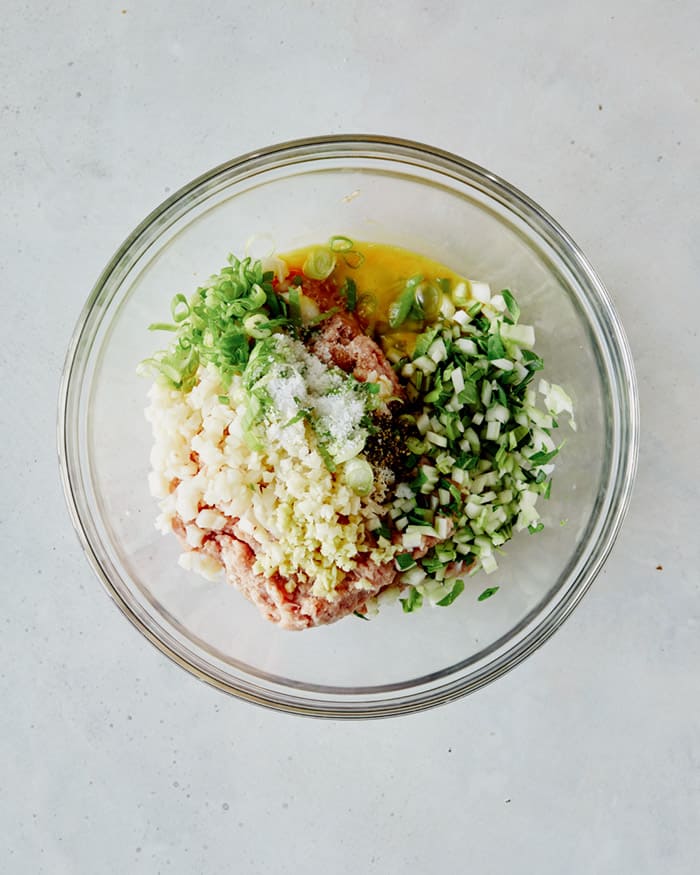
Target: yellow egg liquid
[[380, 279]]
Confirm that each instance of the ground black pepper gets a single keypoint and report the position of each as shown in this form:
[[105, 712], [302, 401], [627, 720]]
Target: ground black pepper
[[386, 446]]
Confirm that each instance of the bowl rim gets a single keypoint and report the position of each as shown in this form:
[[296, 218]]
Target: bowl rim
[[545, 226]]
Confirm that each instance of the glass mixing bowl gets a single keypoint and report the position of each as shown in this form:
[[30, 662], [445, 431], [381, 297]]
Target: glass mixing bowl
[[368, 188]]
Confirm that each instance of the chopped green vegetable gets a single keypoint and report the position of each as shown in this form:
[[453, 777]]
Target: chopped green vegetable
[[428, 297], [162, 326], [425, 341], [444, 284], [456, 590], [211, 327], [512, 305], [399, 310], [405, 561], [319, 264], [349, 292], [353, 259], [541, 458], [340, 244], [532, 360], [412, 602], [494, 347], [359, 476], [179, 308], [295, 306], [328, 459], [487, 593]]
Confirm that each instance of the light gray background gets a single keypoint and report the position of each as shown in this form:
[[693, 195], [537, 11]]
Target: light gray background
[[586, 759]]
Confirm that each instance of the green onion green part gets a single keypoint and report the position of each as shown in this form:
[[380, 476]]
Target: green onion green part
[[456, 590], [487, 593]]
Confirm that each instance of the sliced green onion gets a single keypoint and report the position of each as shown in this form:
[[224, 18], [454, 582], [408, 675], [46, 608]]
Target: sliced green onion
[[429, 298], [412, 602], [340, 244], [487, 593], [256, 297], [257, 326], [399, 310], [404, 561], [349, 292], [456, 591], [319, 264], [444, 284], [353, 259], [295, 305], [460, 294], [179, 308], [209, 327], [359, 476]]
